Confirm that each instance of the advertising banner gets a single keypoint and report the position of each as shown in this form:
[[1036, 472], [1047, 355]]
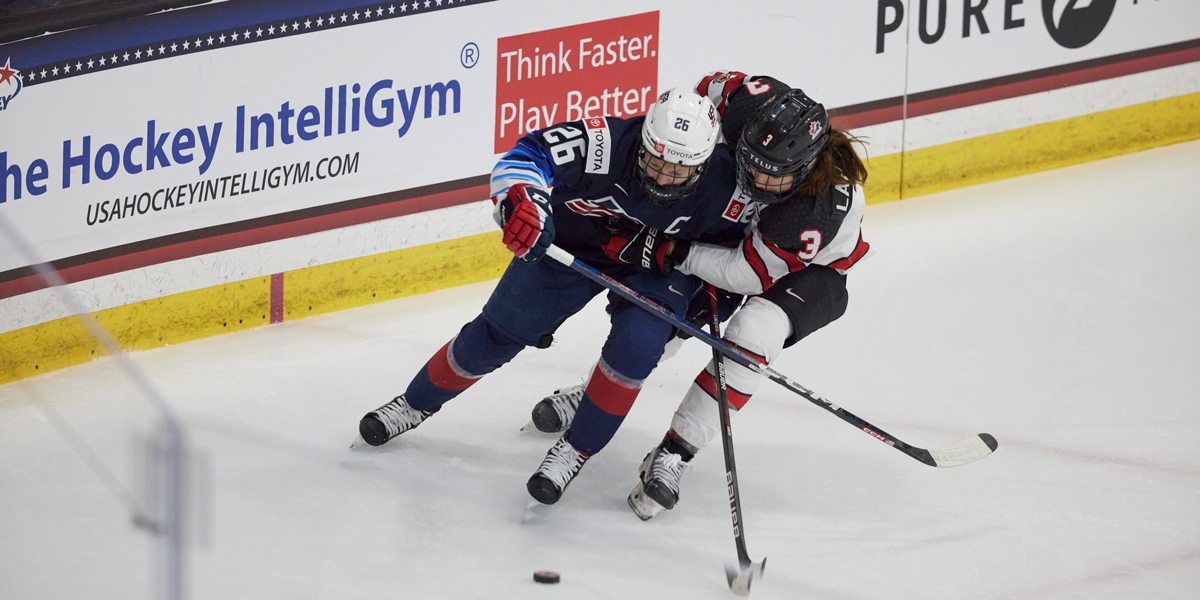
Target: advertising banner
[[230, 121], [204, 130], [563, 74]]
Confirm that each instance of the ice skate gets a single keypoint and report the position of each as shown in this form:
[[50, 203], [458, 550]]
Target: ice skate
[[555, 412], [390, 420], [642, 506], [660, 474], [561, 465]]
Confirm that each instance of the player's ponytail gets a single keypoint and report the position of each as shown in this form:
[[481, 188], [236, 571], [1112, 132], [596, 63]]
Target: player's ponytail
[[837, 164]]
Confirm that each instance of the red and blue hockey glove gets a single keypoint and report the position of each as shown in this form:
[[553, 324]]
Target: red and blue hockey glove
[[646, 247], [523, 212]]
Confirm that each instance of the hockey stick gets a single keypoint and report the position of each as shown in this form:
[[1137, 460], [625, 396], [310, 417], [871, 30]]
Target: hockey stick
[[966, 451], [740, 578]]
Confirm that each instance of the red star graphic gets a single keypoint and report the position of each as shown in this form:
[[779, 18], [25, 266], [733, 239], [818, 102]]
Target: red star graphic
[[7, 72]]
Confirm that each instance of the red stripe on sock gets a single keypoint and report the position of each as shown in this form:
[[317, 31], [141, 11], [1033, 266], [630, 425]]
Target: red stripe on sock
[[709, 385], [442, 374], [611, 396]]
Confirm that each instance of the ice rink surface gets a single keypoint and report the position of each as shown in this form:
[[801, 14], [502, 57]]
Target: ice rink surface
[[1057, 311]]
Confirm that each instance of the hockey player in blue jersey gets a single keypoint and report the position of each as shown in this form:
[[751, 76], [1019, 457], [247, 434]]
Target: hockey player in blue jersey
[[581, 185]]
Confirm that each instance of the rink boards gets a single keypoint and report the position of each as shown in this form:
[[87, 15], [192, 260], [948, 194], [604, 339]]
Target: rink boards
[[234, 232]]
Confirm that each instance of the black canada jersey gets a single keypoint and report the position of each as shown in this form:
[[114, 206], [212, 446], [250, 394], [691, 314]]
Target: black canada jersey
[[589, 165], [786, 237], [805, 223]]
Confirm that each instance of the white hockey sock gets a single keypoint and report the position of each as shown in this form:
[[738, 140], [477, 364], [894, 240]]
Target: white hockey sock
[[760, 328]]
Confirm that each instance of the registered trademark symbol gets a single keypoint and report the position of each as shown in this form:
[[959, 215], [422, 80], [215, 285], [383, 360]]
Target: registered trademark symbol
[[469, 55]]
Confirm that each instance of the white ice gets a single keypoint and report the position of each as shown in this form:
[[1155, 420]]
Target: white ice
[[1057, 311]]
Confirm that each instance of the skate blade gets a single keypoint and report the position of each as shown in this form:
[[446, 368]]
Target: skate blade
[[642, 505], [741, 578], [531, 428], [534, 511]]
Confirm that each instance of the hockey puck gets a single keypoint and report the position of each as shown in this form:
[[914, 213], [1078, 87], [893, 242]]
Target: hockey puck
[[545, 577]]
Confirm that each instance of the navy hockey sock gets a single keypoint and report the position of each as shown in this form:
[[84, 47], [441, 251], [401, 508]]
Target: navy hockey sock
[[606, 400], [477, 350]]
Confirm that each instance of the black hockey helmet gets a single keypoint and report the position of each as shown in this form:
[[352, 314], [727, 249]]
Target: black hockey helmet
[[746, 101], [782, 139]]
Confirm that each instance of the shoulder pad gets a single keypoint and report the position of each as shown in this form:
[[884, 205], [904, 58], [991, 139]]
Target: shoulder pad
[[786, 223]]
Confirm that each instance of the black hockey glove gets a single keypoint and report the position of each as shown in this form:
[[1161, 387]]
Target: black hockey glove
[[646, 247]]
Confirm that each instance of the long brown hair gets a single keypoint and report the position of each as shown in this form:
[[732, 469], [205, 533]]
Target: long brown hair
[[837, 164]]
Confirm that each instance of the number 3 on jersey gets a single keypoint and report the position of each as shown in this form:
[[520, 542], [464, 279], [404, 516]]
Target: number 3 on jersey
[[811, 239], [564, 142]]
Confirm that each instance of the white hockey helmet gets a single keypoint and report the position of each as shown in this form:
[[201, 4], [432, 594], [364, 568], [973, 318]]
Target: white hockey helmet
[[678, 138]]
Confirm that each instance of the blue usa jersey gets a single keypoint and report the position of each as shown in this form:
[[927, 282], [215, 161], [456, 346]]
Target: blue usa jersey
[[590, 167]]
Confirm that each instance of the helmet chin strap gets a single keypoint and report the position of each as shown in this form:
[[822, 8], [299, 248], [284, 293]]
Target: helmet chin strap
[[665, 195]]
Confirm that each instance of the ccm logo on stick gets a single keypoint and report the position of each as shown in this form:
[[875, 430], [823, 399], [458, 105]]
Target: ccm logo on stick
[[879, 437]]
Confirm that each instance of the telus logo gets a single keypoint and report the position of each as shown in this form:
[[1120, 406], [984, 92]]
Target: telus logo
[[1075, 23]]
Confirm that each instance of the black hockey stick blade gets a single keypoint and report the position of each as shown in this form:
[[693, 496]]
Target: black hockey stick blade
[[741, 577]]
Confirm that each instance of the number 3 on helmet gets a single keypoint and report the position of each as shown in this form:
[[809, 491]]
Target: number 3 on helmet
[[780, 145], [678, 137]]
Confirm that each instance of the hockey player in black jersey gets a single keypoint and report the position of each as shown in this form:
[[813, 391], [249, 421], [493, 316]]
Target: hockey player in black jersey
[[567, 184], [804, 237]]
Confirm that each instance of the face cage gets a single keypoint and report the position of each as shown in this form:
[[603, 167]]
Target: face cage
[[665, 195], [773, 194]]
